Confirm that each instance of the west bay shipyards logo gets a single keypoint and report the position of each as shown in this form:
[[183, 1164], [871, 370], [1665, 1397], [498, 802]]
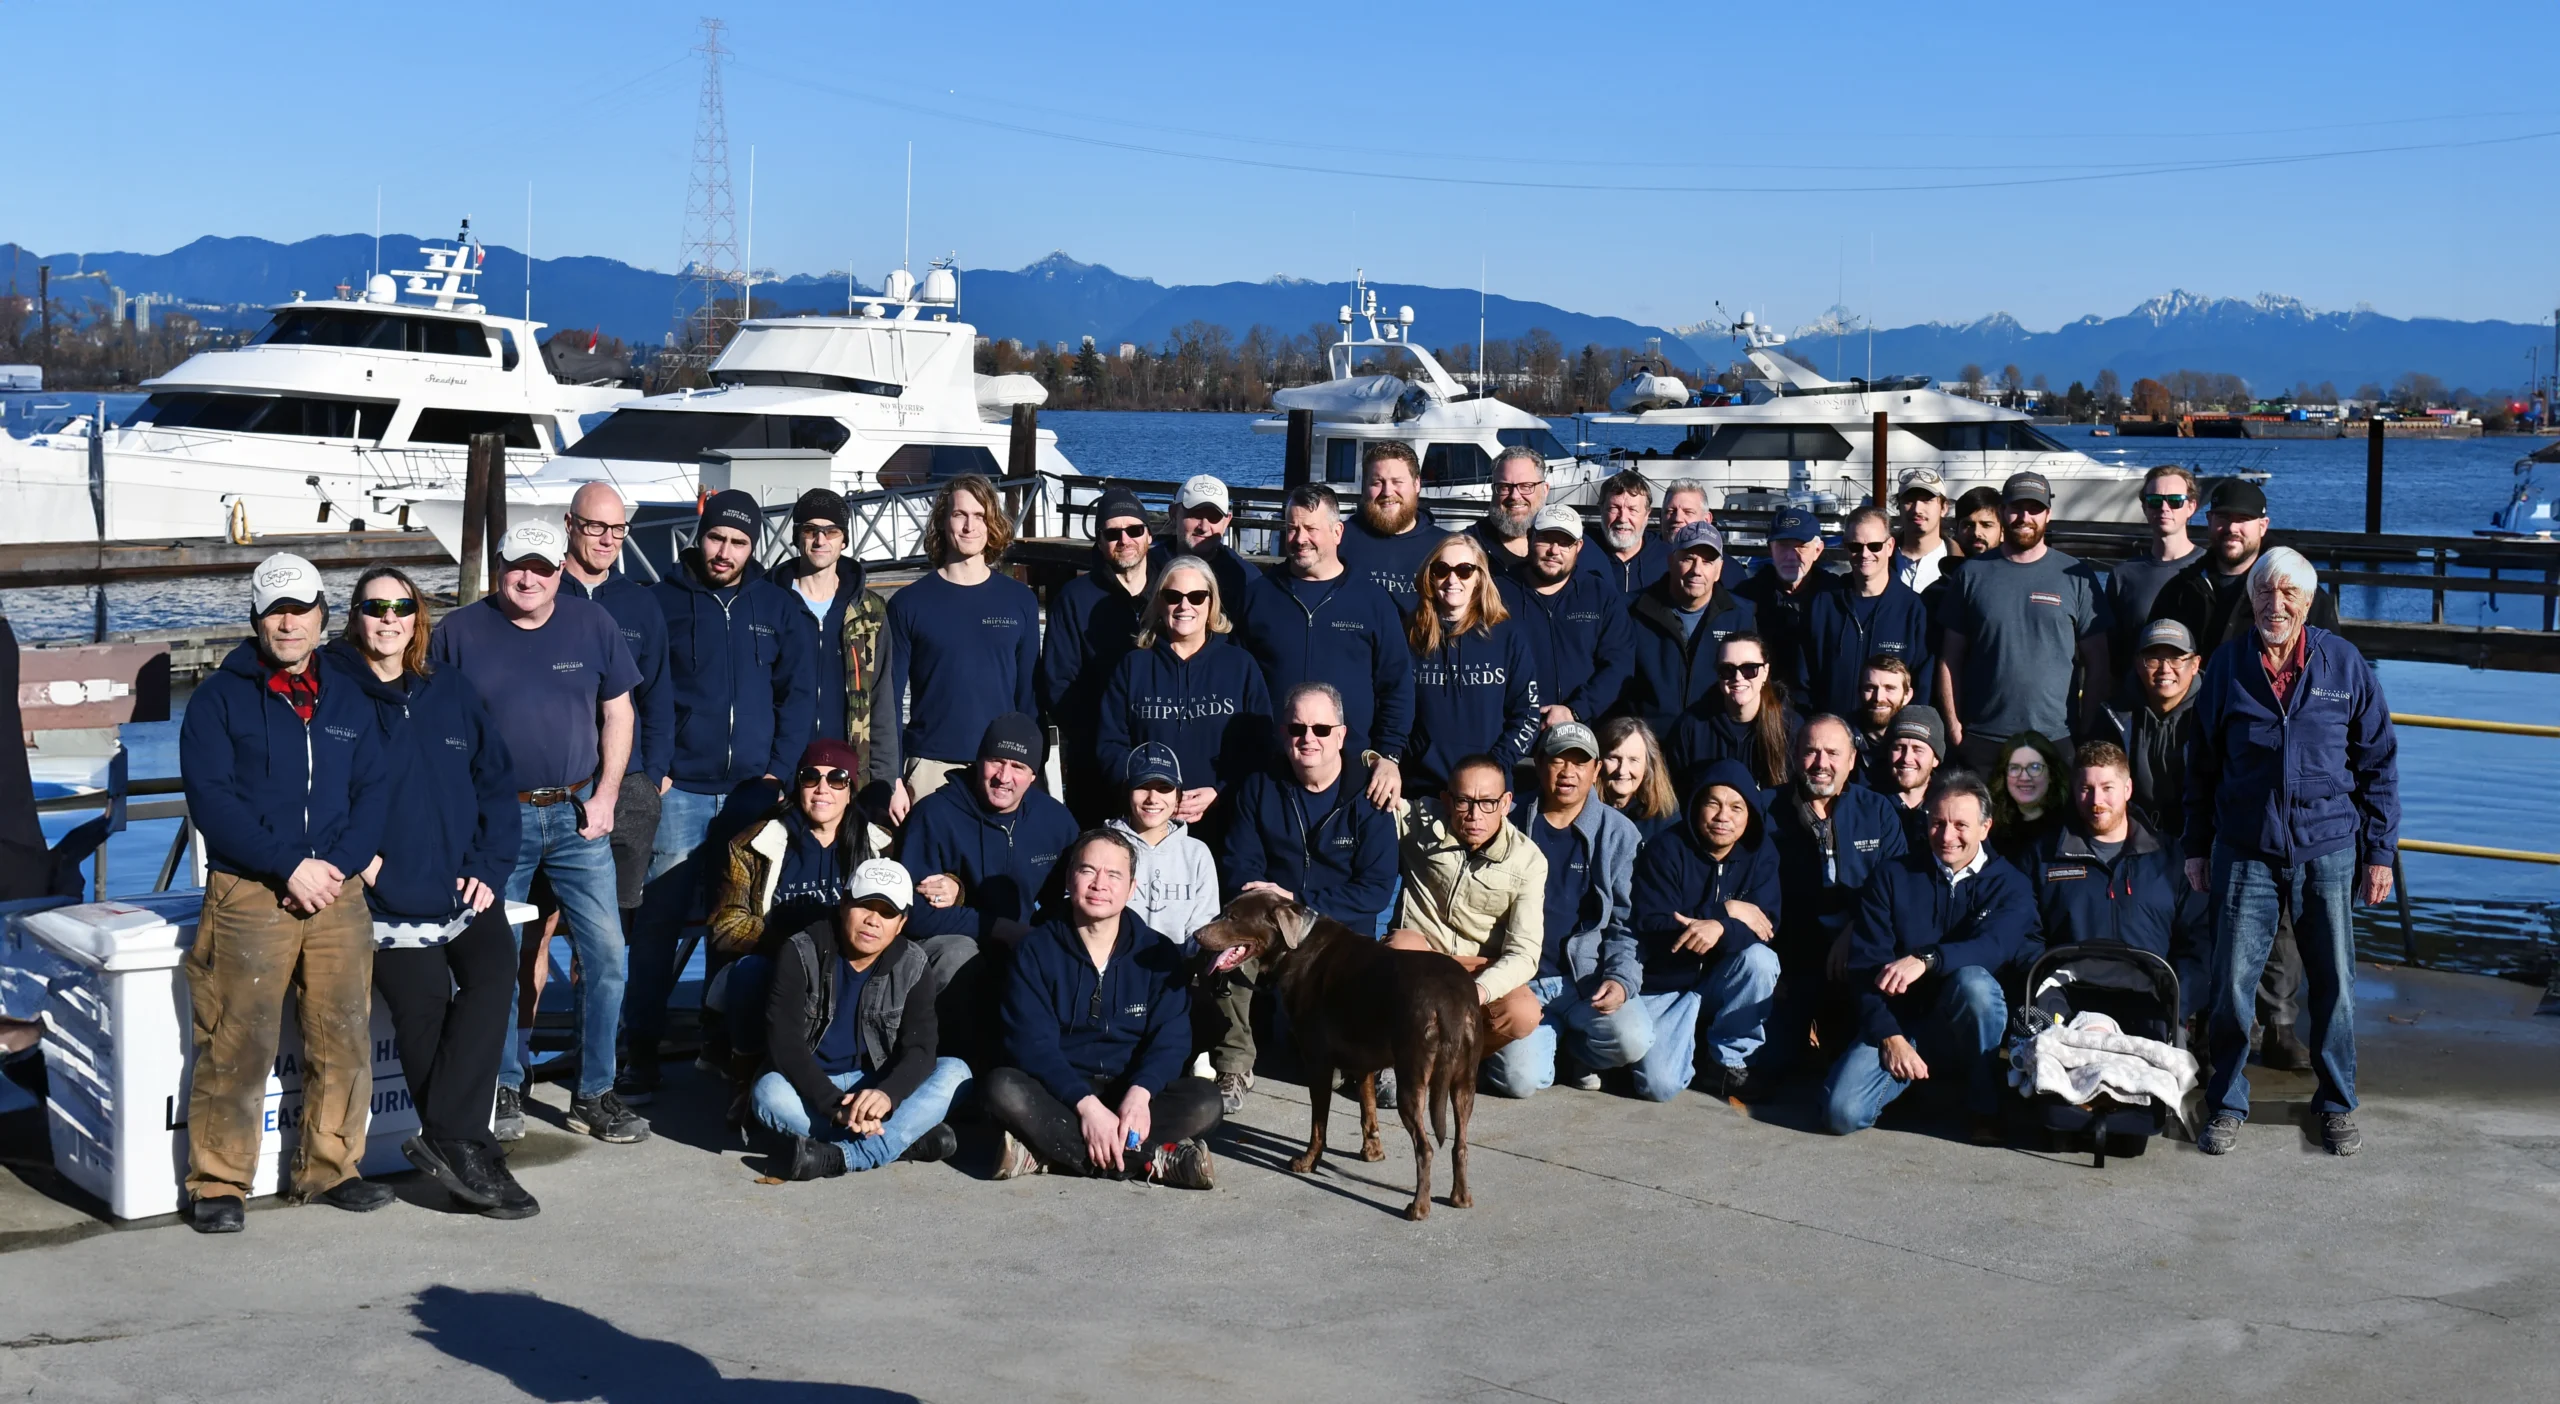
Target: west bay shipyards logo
[[1461, 675], [998, 621], [1177, 709], [569, 665], [343, 733]]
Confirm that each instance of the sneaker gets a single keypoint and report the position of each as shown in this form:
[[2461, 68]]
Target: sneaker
[[604, 1117], [1200, 1067], [1184, 1166], [1585, 1081], [442, 1165], [938, 1143], [1231, 1090], [2283, 1049], [2338, 1133], [487, 1168], [219, 1213], [812, 1160], [509, 1121], [637, 1084], [1733, 1084], [2219, 1135], [1015, 1160], [356, 1195]]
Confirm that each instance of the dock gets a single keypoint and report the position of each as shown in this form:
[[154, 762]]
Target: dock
[[93, 563]]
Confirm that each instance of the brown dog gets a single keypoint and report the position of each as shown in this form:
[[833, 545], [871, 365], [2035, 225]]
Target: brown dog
[[1356, 1006]]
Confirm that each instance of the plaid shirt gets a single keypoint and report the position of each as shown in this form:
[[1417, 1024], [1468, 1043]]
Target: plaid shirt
[[300, 691]]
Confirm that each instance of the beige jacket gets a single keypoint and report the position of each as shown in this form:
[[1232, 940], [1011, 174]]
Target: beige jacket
[[1490, 904]]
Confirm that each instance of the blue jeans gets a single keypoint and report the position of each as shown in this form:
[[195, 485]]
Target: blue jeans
[[1959, 1039], [1737, 992], [667, 902], [743, 993], [2247, 897], [581, 871], [778, 1106], [1610, 1040]]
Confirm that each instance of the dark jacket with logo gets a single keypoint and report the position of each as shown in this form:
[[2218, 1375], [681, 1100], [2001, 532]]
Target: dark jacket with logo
[[1474, 693], [2289, 782], [448, 778], [1342, 863], [1211, 708], [1822, 881], [1346, 632], [846, 673], [1784, 614], [1673, 673], [1092, 626], [1988, 920], [2142, 899], [1843, 629], [899, 1034], [635, 612], [1003, 861], [1653, 558], [267, 790], [1676, 876], [1586, 643], [742, 663], [1067, 1024]]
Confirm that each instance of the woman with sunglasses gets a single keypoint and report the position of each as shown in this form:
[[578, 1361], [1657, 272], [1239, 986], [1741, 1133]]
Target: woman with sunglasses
[[444, 955], [1868, 614], [2027, 802], [1747, 719], [786, 870], [1633, 779], [1189, 687], [1475, 676]]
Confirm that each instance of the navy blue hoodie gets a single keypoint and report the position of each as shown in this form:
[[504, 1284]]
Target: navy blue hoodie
[[266, 790], [1210, 708], [2289, 782], [742, 663], [1707, 733], [1676, 876], [1235, 574], [1344, 631], [1988, 920], [1066, 1023], [1586, 644], [1002, 860], [1335, 852], [1473, 693], [644, 631], [1675, 672], [1823, 881], [1782, 613], [828, 665], [447, 775], [1093, 624], [1390, 562], [1843, 629], [2142, 899], [970, 654], [1653, 560]]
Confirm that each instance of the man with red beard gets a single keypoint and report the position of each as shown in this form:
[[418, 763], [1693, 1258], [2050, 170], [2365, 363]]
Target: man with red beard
[[2017, 621], [1388, 542]]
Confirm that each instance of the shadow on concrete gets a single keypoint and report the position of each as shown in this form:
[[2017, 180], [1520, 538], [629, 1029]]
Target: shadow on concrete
[[1342, 1168], [555, 1352]]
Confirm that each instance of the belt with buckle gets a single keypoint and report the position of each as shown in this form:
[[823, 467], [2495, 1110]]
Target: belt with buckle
[[545, 798]]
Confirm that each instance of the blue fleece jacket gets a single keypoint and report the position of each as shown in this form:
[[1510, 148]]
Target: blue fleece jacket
[[447, 775], [643, 624], [828, 665], [1476, 692], [1092, 623], [1823, 879], [1843, 629], [2142, 899], [742, 663], [1678, 877], [1673, 671], [1066, 1023], [1599, 944], [267, 790], [1586, 644], [1781, 612], [1707, 733], [1210, 708], [1653, 558], [968, 653], [1334, 851], [1235, 574], [1002, 860], [1344, 631], [2289, 782], [1988, 920], [1389, 562]]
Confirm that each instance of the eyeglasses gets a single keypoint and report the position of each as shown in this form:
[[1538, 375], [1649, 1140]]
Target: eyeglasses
[[1517, 489], [1126, 533], [400, 608], [1442, 570], [2164, 499], [1871, 548], [833, 777], [1318, 730], [603, 531], [1467, 805], [2029, 769], [1175, 597], [1744, 671]]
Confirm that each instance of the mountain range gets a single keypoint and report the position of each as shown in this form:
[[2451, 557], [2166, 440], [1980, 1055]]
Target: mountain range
[[2270, 341]]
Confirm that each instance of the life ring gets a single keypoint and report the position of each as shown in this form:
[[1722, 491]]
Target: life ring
[[240, 523]]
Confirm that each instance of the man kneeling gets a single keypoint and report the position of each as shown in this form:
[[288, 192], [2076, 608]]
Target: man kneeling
[[1934, 932], [1097, 1027], [856, 1082]]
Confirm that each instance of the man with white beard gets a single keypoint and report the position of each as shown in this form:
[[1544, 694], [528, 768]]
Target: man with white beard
[[1621, 550]]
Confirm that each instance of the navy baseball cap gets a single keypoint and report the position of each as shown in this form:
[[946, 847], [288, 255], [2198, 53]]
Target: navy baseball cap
[[1698, 536], [1152, 762], [1794, 524]]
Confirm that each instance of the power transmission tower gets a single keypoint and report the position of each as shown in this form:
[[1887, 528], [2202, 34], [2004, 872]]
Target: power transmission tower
[[706, 299]]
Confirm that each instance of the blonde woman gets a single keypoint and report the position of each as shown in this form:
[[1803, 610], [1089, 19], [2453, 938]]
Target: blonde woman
[[1189, 687], [1633, 779], [1475, 677]]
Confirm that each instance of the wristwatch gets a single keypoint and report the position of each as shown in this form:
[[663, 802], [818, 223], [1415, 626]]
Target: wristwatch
[[1928, 958]]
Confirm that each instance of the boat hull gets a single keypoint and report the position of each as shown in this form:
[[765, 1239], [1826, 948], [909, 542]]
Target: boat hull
[[2082, 491]]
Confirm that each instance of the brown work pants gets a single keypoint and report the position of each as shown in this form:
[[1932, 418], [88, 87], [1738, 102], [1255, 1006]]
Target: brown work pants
[[250, 953]]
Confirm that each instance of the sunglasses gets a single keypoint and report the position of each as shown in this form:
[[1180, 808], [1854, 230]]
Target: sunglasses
[[1318, 730], [1871, 548], [400, 608], [1442, 570], [1744, 671], [1207, 512], [1127, 533], [833, 777], [2164, 499], [1189, 597]]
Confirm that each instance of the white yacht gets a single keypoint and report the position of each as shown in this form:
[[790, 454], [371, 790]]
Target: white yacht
[[889, 398], [1455, 431], [326, 421], [1797, 438]]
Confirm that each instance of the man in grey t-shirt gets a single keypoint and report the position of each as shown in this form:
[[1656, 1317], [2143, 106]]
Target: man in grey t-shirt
[[2019, 621]]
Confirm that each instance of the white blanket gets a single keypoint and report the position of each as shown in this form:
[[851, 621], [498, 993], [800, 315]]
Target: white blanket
[[2091, 1056]]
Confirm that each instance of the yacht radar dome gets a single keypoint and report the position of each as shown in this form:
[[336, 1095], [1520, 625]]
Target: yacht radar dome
[[899, 286], [381, 287], [940, 285]]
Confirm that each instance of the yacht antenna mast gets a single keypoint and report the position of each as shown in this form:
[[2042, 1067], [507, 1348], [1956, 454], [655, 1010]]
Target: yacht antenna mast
[[1480, 275], [907, 235], [377, 230], [747, 263], [528, 254]]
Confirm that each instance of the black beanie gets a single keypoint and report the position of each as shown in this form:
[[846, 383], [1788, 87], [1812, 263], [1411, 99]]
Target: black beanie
[[736, 509], [819, 505], [1013, 736]]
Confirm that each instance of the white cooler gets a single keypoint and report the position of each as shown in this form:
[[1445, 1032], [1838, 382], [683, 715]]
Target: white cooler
[[118, 1048]]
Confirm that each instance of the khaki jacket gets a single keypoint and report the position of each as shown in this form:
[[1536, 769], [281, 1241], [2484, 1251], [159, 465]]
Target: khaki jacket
[[1489, 904]]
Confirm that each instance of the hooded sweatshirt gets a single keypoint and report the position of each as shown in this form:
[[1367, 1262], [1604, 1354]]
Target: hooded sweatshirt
[[1593, 942], [267, 789], [1067, 1024], [1344, 631], [1678, 877], [1001, 860], [838, 673], [1475, 693], [1175, 890], [1843, 629], [1333, 850], [1586, 641], [1210, 708], [1675, 670], [968, 654], [447, 776], [1988, 920], [742, 661], [644, 631], [1390, 562], [1093, 624]]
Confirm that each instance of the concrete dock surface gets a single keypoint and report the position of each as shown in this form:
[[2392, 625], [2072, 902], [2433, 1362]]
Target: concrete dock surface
[[1618, 1252]]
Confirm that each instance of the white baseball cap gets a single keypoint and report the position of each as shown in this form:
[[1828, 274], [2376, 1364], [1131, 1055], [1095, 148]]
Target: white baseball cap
[[527, 540], [881, 880], [1555, 516], [1201, 490], [284, 579]]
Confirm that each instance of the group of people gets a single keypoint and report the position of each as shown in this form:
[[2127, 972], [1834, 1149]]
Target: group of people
[[1682, 832]]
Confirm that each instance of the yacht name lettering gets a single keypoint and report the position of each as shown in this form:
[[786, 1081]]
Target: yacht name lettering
[[448, 380]]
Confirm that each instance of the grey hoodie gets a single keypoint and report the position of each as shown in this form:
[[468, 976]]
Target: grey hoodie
[[1176, 887]]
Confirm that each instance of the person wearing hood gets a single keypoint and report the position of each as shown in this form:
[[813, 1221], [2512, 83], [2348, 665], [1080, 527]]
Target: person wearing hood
[[1186, 686], [742, 659], [832, 586], [1093, 624], [444, 957], [1680, 624], [1783, 590], [284, 777], [1175, 889], [981, 851], [963, 648], [1475, 686], [2105, 878], [1587, 973], [1707, 908], [786, 869], [1831, 835], [1580, 619]]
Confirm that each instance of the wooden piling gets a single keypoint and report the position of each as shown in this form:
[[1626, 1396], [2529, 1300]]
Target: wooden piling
[[493, 511], [1021, 463], [1883, 480], [471, 584], [1299, 465], [2373, 475]]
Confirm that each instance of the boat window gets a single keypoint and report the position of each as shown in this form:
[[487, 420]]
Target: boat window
[[806, 380], [305, 416], [438, 337], [916, 464], [373, 331], [1547, 445], [507, 357], [675, 436], [1770, 441], [456, 426], [1998, 435], [1342, 460], [814, 431], [1453, 464]]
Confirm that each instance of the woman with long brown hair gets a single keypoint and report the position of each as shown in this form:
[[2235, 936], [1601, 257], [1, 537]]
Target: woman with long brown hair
[[1475, 675], [1747, 718], [1633, 778]]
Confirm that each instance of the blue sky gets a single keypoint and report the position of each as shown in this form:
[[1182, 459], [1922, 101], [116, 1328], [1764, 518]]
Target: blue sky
[[1659, 159]]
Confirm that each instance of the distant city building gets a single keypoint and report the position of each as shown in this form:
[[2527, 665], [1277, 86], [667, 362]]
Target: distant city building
[[1128, 350]]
